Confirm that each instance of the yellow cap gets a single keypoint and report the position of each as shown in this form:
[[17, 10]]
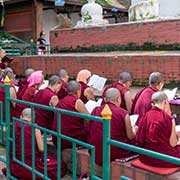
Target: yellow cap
[[106, 112], [7, 81]]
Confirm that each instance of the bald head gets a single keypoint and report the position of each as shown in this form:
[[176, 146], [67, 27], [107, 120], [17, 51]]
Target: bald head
[[124, 77], [112, 95], [159, 97], [9, 72], [73, 87], [54, 80], [155, 79], [26, 114], [62, 73], [28, 72]]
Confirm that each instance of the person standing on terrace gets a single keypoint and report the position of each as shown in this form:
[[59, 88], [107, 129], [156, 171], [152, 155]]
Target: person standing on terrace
[[42, 43]]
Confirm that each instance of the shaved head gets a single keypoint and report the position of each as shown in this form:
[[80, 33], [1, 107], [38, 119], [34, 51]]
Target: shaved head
[[62, 73], [155, 79], [125, 76], [73, 87], [159, 97], [54, 80], [26, 114], [28, 72], [112, 94]]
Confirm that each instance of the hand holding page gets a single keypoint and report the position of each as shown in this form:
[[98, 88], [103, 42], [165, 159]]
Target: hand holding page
[[171, 93], [90, 105], [133, 119], [97, 82]]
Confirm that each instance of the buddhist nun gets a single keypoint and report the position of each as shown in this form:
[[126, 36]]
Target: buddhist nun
[[121, 129], [142, 100], [156, 132], [48, 97], [63, 75], [123, 85], [70, 125]]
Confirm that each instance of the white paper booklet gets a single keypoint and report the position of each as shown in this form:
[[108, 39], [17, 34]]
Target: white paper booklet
[[44, 85], [170, 93], [133, 119], [177, 128], [90, 105], [97, 82]]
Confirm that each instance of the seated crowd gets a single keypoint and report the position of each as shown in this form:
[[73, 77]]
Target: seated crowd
[[154, 129]]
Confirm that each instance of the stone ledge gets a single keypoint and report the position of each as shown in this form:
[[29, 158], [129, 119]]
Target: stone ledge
[[123, 169]]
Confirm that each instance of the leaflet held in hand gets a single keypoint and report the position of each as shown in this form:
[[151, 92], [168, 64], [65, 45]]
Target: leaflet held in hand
[[90, 105], [97, 82], [171, 93], [133, 119]]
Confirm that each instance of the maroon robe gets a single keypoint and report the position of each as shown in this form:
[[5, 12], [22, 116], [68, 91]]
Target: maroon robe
[[142, 101], [21, 172], [118, 132], [23, 85], [29, 94], [2, 99], [44, 117], [83, 87], [2, 65], [154, 133], [63, 91], [122, 91], [70, 125]]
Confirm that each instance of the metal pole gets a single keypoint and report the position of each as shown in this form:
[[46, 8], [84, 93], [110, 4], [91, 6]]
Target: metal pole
[[106, 115]]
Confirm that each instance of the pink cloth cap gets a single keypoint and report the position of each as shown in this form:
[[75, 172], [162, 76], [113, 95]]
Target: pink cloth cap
[[35, 78]]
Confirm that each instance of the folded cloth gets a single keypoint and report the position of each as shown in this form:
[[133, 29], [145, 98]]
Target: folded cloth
[[157, 170]]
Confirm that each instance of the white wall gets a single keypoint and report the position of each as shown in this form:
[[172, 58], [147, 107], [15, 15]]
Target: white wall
[[49, 21], [169, 8]]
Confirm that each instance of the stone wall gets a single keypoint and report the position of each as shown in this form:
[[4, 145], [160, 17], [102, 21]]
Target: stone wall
[[157, 32], [105, 64]]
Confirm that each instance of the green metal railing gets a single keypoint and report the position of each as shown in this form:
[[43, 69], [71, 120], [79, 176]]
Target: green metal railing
[[16, 49], [36, 51], [11, 139], [106, 142]]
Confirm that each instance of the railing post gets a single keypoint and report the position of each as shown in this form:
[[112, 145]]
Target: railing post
[[7, 107], [106, 115]]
